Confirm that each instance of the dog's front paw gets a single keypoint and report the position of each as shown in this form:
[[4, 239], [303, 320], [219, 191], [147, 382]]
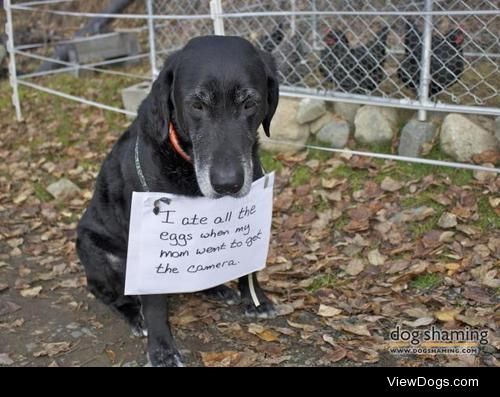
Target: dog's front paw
[[265, 310], [139, 330], [223, 293], [161, 357]]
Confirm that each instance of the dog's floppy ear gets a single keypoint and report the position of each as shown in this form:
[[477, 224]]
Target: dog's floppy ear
[[156, 111], [273, 91]]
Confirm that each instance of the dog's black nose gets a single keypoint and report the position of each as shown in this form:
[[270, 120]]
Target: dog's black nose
[[227, 180]]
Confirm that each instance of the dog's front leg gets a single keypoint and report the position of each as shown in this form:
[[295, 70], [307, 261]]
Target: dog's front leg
[[161, 347], [255, 302]]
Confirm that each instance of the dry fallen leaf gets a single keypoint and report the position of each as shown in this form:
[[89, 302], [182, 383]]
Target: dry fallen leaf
[[285, 309], [390, 185], [328, 311], [15, 242], [11, 327], [355, 267], [284, 331], [471, 320], [477, 294], [494, 202], [447, 314], [447, 220], [357, 329], [416, 312], [490, 279], [52, 349], [31, 292], [220, 359], [263, 333], [336, 354], [419, 322], [305, 327], [328, 339], [330, 183], [111, 355], [376, 258], [71, 283], [452, 267]]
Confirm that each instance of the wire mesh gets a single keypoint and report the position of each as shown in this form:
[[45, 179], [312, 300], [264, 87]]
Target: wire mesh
[[363, 48]]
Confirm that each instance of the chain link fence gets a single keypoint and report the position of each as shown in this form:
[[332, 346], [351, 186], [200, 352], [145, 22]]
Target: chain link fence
[[367, 51]]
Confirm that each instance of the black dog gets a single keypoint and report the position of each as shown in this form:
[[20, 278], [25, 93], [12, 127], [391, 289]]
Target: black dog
[[196, 134]]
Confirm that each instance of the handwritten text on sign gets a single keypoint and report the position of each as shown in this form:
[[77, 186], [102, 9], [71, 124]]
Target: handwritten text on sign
[[186, 244]]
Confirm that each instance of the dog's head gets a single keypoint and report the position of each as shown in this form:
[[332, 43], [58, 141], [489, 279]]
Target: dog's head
[[216, 91]]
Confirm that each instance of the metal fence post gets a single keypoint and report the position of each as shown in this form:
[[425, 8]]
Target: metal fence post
[[152, 39], [294, 17], [425, 72], [9, 30], [316, 45], [216, 12]]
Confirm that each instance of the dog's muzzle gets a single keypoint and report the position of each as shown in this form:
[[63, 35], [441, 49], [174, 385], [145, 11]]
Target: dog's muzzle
[[227, 180]]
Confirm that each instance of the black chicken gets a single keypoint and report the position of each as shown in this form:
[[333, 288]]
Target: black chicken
[[356, 70], [447, 62], [270, 42], [291, 60]]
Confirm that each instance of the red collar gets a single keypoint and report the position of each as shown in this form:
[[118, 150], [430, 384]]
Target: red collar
[[174, 141]]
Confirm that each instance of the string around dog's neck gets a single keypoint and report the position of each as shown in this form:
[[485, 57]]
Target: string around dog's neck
[[174, 142]]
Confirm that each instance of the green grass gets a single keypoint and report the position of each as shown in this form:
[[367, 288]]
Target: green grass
[[488, 219], [314, 154], [5, 100], [65, 129], [269, 162], [355, 178], [321, 205], [88, 165], [423, 199], [301, 176], [323, 281], [41, 194], [419, 228], [426, 281], [385, 148], [408, 171]]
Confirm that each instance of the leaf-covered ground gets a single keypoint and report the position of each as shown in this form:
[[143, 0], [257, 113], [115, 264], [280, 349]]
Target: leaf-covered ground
[[359, 247]]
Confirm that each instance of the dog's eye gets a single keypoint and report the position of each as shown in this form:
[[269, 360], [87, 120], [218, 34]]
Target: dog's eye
[[249, 105], [197, 106]]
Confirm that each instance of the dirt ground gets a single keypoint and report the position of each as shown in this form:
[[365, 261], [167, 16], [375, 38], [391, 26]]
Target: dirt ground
[[359, 247]]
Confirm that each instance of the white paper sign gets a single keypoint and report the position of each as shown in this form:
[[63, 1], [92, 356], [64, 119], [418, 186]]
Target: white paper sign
[[185, 244]]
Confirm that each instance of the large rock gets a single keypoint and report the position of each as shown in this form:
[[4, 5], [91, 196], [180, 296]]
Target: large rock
[[461, 138], [318, 124], [375, 125], [346, 110], [310, 110], [414, 136], [285, 128], [335, 133], [133, 96], [63, 189]]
